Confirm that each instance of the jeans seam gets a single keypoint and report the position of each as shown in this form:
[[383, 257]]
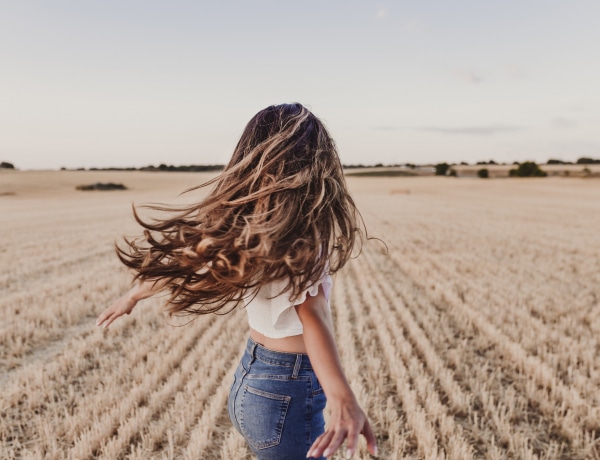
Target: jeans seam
[[241, 383], [309, 414], [304, 378]]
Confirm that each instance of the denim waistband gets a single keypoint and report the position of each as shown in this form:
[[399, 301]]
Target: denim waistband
[[277, 358]]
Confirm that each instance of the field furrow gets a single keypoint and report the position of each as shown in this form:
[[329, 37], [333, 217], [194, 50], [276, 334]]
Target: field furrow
[[51, 393], [88, 444], [398, 436], [234, 446], [496, 347], [349, 333], [427, 384], [542, 374], [205, 437], [518, 446], [424, 428], [38, 270], [44, 313], [578, 367], [208, 373], [195, 373]]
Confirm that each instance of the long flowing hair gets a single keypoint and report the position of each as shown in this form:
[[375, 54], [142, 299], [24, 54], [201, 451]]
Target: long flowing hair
[[280, 210]]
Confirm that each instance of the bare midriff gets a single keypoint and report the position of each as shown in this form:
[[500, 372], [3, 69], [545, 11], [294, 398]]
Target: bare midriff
[[291, 344]]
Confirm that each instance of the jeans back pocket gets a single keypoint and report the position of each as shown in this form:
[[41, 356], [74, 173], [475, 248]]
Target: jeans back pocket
[[262, 417]]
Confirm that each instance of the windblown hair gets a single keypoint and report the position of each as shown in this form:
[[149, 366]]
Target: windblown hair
[[280, 210]]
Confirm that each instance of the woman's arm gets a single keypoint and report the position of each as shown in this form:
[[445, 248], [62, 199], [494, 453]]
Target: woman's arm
[[347, 419], [125, 304]]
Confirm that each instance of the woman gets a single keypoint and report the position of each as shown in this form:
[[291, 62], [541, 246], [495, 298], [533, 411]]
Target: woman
[[278, 222]]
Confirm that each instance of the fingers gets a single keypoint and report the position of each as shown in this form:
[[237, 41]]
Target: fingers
[[351, 441], [316, 450], [106, 318], [122, 306], [329, 442], [336, 442], [332, 439], [103, 317], [367, 432]]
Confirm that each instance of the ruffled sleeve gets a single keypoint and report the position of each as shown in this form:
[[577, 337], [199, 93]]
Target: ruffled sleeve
[[283, 313]]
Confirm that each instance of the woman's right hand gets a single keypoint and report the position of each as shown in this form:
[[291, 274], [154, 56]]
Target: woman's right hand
[[124, 305]]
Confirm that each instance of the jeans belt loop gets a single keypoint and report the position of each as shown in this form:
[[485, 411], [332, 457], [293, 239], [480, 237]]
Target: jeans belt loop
[[296, 370], [253, 353]]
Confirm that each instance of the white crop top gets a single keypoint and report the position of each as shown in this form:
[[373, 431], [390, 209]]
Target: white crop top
[[276, 317]]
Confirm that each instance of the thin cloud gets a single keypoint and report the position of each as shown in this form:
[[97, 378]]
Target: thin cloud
[[488, 130], [514, 70], [469, 76], [386, 128], [381, 12], [408, 25], [572, 149], [576, 108], [563, 123], [413, 26]]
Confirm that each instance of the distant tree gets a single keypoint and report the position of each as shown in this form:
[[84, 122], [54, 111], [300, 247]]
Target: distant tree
[[464, 163], [492, 162], [441, 169], [102, 186], [7, 165], [556, 162], [587, 161], [452, 172], [484, 173], [527, 169]]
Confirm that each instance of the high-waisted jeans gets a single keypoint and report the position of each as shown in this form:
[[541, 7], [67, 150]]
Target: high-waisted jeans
[[276, 403]]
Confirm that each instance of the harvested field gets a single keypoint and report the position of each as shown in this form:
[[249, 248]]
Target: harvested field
[[475, 336]]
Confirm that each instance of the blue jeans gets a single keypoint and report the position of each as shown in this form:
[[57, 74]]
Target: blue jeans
[[276, 403]]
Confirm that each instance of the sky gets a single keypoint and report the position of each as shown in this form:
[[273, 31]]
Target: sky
[[130, 83]]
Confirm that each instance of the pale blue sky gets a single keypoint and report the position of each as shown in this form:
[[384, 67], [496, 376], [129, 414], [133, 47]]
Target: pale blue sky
[[132, 83]]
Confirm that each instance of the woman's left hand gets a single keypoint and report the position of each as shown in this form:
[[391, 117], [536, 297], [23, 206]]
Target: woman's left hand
[[347, 422]]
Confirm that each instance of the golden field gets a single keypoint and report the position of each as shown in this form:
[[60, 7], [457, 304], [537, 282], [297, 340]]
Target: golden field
[[477, 335]]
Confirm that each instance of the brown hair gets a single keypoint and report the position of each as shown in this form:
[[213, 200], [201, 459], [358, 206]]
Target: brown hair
[[280, 210]]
